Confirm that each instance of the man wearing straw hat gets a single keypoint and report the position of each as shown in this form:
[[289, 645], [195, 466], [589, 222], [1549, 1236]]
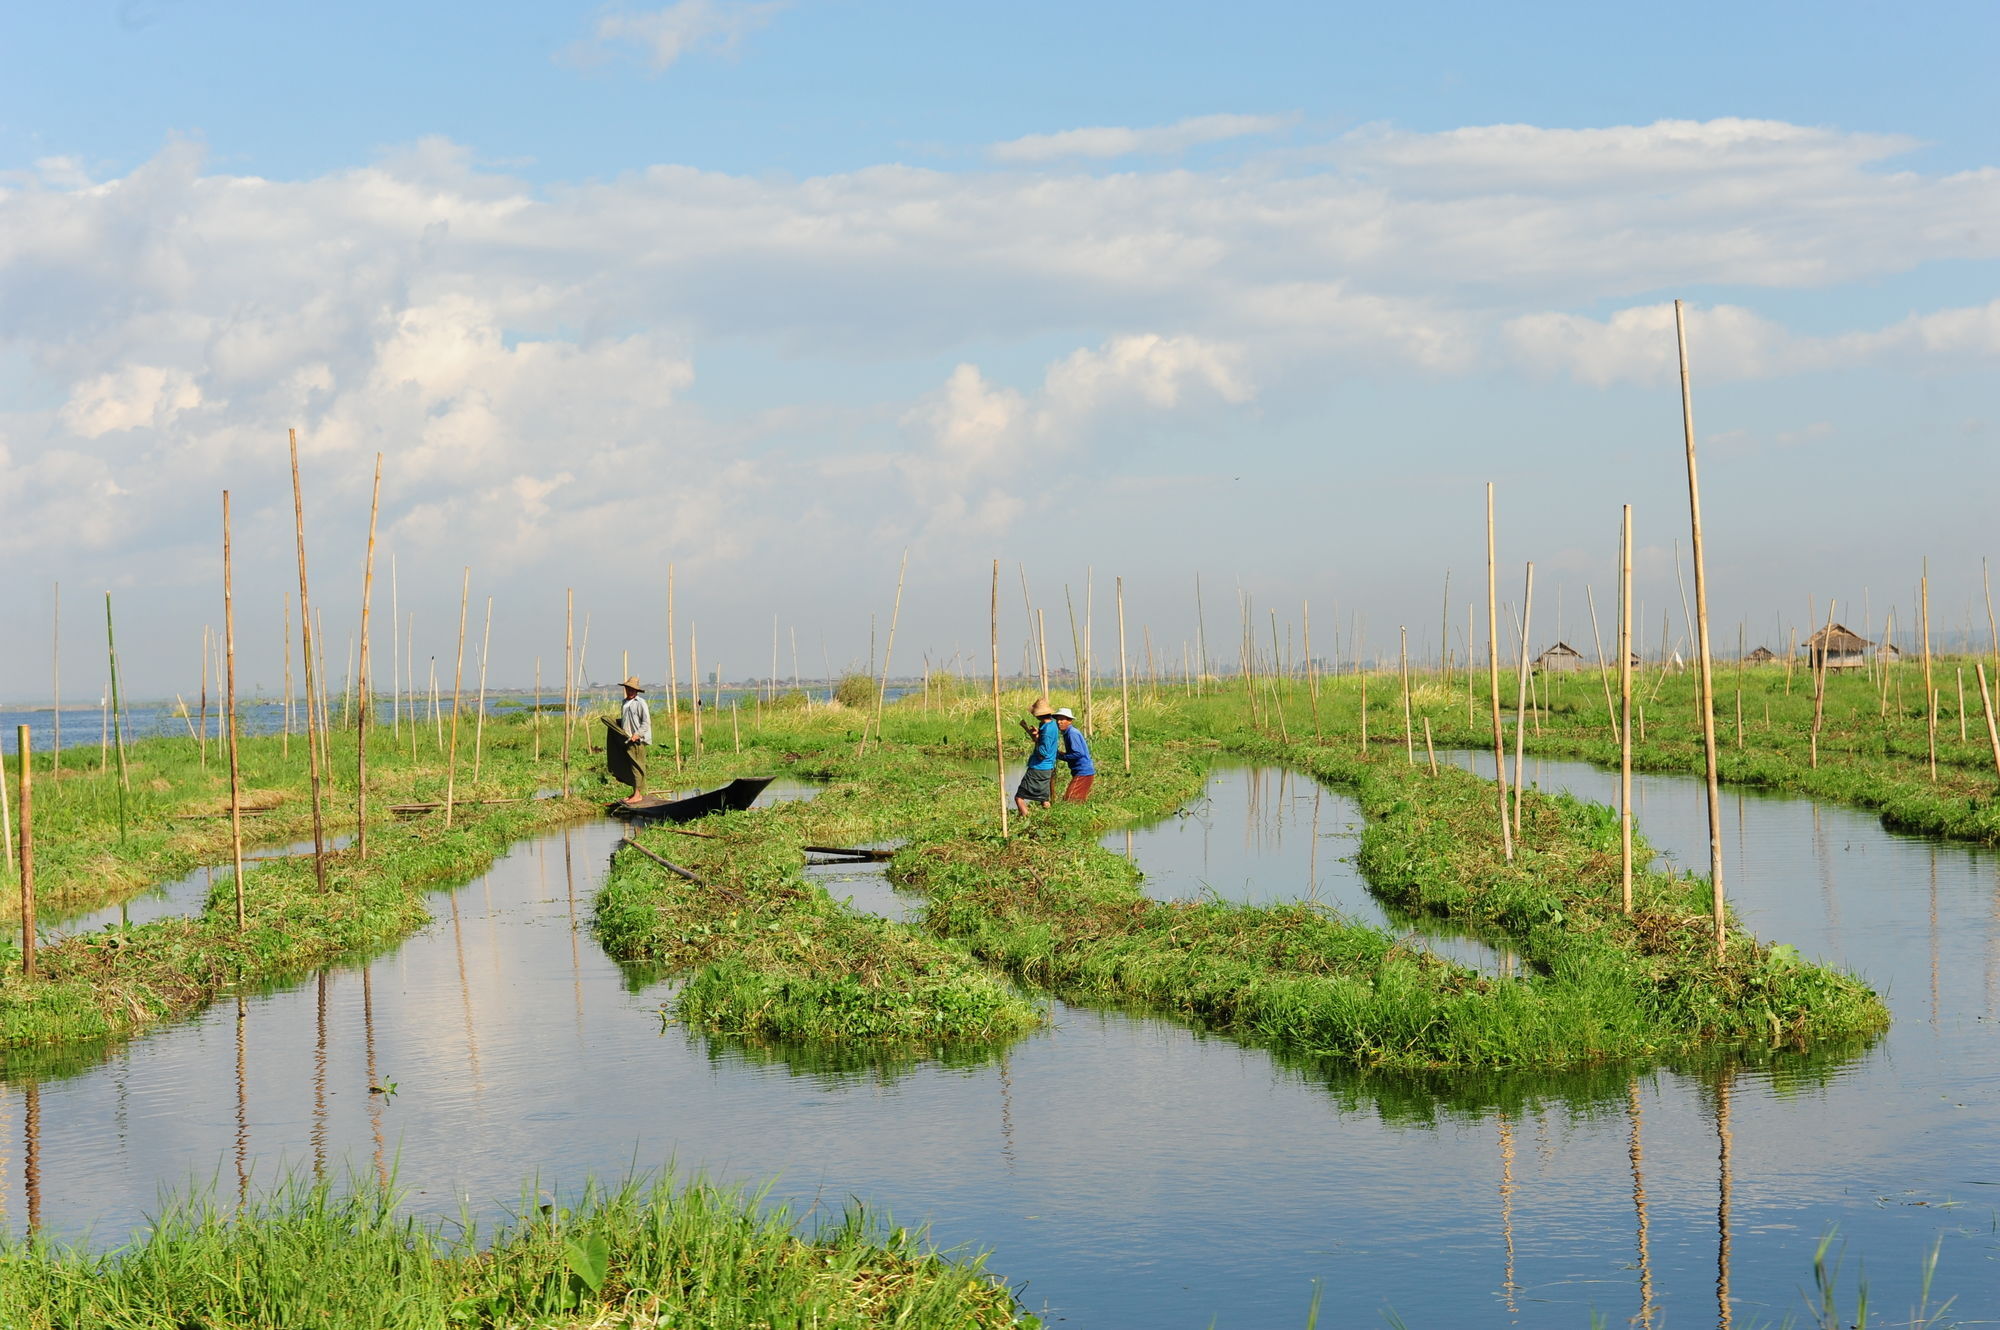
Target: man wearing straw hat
[[635, 721], [1039, 778]]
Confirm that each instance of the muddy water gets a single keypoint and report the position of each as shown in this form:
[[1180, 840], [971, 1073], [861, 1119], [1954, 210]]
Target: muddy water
[[1134, 1173]]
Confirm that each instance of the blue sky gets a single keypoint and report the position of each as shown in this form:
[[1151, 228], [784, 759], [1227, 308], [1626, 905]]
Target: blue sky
[[775, 291]]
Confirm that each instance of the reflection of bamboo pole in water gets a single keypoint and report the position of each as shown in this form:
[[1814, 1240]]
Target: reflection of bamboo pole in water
[[1934, 938], [1312, 856], [1643, 1231], [242, 1104], [1723, 1315], [31, 1152], [1006, 1115], [1507, 1286], [374, 1099], [319, 1086], [465, 1002], [1823, 857], [575, 956]]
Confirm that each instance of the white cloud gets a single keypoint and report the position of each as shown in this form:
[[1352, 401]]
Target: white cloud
[[663, 36], [128, 398], [1118, 141]]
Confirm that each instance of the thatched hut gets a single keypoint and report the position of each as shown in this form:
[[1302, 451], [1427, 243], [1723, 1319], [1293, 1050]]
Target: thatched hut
[[1837, 648], [1761, 656], [1562, 658]]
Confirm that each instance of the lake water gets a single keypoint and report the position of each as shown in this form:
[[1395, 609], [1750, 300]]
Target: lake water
[[1130, 1171]]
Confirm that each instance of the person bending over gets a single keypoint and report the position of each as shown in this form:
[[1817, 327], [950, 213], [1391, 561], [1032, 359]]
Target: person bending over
[[1039, 778], [1074, 753]]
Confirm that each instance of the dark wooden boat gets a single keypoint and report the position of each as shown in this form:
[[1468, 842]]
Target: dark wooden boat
[[734, 797]]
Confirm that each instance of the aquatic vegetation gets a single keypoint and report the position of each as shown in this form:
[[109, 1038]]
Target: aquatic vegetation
[[655, 1253]]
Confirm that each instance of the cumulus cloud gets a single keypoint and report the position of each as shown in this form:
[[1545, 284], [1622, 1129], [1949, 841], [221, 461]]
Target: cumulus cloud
[[1118, 141], [662, 36]]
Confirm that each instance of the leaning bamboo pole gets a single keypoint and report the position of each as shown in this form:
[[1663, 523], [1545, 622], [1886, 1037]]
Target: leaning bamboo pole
[[117, 716], [201, 734], [1707, 677], [55, 674], [1986, 704], [1409, 733], [694, 685], [306, 631], [24, 747], [1124, 680], [889, 651], [1603, 666], [1493, 680], [479, 712], [229, 687], [1521, 700], [457, 689], [1625, 707], [1819, 683], [999, 737], [362, 692], [1312, 670], [569, 677]]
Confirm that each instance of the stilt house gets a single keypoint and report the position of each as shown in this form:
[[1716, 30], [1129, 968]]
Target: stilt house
[[1562, 658], [1761, 656], [1837, 648]]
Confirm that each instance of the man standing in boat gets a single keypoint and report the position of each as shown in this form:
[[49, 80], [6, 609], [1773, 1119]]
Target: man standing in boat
[[635, 719], [1074, 752], [1038, 780]]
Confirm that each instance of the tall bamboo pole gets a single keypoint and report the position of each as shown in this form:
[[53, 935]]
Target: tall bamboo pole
[[694, 685], [569, 677], [306, 631], [1930, 709], [1444, 633], [1625, 707], [363, 717], [1521, 700], [1312, 670], [1713, 759], [1409, 732], [396, 657], [1603, 666], [999, 737], [229, 686], [1124, 679], [24, 747], [889, 651], [55, 672], [457, 688], [285, 742], [1200, 639], [479, 713], [117, 716], [201, 735], [1986, 704], [1493, 680]]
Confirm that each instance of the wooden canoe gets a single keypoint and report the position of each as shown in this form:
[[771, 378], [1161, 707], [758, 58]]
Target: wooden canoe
[[734, 797]]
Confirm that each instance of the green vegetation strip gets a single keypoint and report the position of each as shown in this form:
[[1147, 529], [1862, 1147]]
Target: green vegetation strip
[[1053, 908], [637, 1256]]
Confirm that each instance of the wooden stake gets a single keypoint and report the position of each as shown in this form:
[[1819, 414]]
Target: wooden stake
[[1493, 680], [229, 686], [1625, 706], [479, 712], [569, 676], [24, 747], [1124, 680], [457, 689], [1707, 679], [999, 738], [1521, 700], [306, 631], [1430, 753], [364, 717]]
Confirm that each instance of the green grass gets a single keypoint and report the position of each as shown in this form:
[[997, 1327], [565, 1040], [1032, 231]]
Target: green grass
[[640, 1255]]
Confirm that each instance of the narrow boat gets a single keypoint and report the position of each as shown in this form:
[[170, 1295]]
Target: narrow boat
[[734, 797]]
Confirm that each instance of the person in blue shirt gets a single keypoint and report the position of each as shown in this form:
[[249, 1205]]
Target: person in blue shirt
[[1038, 780], [1075, 754]]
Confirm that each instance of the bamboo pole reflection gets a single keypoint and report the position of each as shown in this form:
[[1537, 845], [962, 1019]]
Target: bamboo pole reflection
[[319, 1085], [1723, 1181], [575, 954], [1643, 1231], [242, 1103], [1507, 1190], [1006, 1114], [31, 1152], [1823, 862], [465, 1002], [1312, 857], [1934, 938], [374, 1096], [4, 1135]]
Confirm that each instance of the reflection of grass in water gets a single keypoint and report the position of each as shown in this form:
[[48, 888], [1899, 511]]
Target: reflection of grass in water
[[643, 1253]]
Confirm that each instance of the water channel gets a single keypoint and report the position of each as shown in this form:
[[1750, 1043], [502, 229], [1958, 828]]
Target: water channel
[[1130, 1171]]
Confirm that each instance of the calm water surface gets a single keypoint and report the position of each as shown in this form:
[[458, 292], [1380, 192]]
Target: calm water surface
[[1132, 1172]]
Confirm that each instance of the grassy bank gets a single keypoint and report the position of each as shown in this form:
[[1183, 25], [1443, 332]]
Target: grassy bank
[[1051, 908], [635, 1256]]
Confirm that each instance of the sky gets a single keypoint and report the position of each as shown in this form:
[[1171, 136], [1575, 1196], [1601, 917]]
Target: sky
[[780, 294]]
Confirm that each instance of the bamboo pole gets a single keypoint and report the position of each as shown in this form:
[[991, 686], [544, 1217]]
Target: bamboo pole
[[229, 685], [285, 742], [569, 677], [201, 735], [396, 659], [1603, 666], [6, 816], [889, 651], [24, 748], [362, 692], [1707, 677], [1992, 631], [479, 712], [1201, 639], [1444, 634], [1277, 702], [1521, 700], [1986, 704], [1042, 646], [1312, 670], [457, 688], [306, 631], [694, 685], [1493, 680], [1430, 753], [1409, 733], [55, 672], [1625, 707], [999, 737], [1930, 691], [117, 717], [1124, 680]]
